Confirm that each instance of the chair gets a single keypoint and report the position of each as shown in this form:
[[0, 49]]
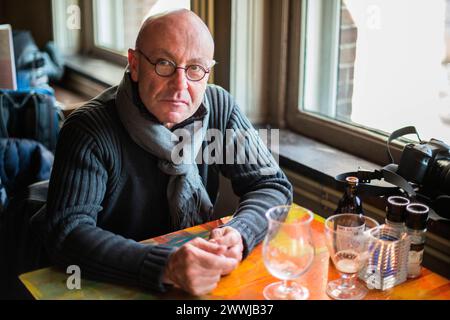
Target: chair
[[25, 167]]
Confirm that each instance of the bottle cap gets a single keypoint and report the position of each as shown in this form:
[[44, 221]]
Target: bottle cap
[[396, 208], [417, 216], [352, 180]]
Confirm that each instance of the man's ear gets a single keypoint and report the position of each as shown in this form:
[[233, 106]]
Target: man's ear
[[133, 64]]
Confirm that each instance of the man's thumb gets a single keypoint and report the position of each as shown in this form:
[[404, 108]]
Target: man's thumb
[[216, 233], [210, 246]]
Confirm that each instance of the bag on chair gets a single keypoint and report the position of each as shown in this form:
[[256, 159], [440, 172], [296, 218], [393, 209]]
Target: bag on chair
[[30, 114]]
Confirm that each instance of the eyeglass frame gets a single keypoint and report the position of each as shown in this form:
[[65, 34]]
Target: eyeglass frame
[[176, 67]]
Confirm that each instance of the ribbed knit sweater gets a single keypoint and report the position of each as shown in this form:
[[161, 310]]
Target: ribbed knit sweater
[[106, 194]]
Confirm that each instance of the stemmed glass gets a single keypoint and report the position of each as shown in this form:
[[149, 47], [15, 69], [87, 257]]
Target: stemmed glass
[[348, 240], [288, 251]]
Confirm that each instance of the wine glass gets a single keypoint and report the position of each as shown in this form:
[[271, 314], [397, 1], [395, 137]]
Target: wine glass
[[288, 251], [347, 240]]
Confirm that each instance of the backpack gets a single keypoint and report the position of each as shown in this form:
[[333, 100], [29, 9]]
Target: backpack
[[30, 114], [33, 66]]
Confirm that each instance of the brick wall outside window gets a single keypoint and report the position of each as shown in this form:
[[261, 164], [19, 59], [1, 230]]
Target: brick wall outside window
[[347, 54]]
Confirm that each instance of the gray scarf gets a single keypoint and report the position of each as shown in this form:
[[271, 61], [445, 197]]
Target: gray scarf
[[189, 203]]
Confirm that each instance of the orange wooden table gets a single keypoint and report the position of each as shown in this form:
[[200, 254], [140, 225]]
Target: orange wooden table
[[250, 278], [246, 282]]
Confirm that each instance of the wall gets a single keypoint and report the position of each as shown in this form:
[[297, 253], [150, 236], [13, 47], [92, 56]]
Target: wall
[[29, 15], [2, 10], [222, 38]]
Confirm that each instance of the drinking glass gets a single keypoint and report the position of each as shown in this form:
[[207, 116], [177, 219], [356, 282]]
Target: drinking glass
[[347, 240], [288, 251]]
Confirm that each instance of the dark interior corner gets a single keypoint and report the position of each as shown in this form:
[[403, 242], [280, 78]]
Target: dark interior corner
[[222, 14], [35, 16]]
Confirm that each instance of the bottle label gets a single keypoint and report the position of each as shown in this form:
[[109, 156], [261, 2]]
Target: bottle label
[[351, 231], [414, 263], [349, 237], [416, 238]]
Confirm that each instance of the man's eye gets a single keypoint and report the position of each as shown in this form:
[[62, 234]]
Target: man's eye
[[196, 68], [164, 63]]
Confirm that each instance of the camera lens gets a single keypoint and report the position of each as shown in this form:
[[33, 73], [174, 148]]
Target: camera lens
[[440, 177], [414, 162]]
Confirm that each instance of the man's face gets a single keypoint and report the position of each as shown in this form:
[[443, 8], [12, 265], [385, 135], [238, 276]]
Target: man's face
[[175, 98]]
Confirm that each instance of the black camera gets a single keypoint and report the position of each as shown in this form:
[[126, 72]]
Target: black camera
[[427, 164], [423, 174]]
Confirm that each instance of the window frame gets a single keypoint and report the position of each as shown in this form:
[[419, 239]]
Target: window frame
[[87, 45], [359, 141], [249, 76], [326, 67]]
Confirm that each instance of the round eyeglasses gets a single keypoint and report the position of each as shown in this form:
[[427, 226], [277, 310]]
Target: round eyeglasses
[[166, 68]]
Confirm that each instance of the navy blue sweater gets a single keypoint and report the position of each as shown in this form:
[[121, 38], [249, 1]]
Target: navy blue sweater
[[106, 193]]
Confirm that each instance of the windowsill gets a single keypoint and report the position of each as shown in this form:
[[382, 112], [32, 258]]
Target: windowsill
[[317, 160], [100, 71]]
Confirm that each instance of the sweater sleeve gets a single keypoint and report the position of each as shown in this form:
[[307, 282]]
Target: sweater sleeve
[[255, 176], [77, 187]]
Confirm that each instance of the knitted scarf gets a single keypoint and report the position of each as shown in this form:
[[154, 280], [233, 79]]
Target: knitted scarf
[[189, 203]]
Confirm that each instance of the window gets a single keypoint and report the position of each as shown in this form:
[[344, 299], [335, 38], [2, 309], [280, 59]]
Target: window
[[248, 75], [95, 34], [117, 22], [104, 28], [371, 67]]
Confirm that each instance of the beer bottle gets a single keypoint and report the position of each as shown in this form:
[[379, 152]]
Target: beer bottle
[[350, 202]]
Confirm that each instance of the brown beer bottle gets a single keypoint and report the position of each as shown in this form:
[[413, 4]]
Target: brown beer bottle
[[350, 202]]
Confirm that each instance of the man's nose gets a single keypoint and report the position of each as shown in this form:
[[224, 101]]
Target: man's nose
[[179, 79]]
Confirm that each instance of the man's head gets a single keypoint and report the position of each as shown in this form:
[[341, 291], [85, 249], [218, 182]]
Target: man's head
[[178, 37]]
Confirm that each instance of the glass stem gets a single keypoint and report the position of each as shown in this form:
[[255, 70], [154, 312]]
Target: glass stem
[[348, 281], [287, 285]]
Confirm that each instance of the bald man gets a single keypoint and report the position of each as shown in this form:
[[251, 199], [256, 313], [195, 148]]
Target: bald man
[[117, 181]]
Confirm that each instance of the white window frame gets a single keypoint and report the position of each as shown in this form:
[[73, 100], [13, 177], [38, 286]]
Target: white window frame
[[247, 60], [323, 54], [118, 33], [67, 39]]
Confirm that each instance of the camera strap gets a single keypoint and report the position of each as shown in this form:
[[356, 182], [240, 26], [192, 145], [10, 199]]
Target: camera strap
[[400, 133], [391, 176], [389, 180], [386, 181], [378, 182]]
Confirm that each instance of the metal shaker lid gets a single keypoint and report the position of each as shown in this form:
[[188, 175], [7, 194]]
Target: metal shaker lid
[[417, 216], [396, 208]]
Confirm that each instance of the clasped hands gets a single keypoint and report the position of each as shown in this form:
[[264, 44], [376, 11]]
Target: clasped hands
[[197, 266]]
